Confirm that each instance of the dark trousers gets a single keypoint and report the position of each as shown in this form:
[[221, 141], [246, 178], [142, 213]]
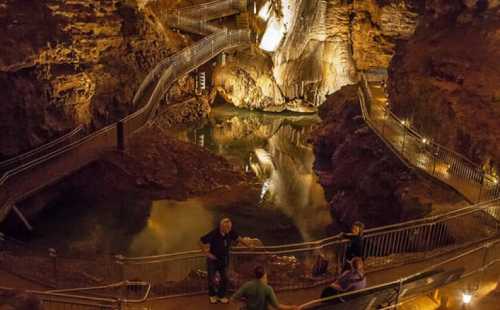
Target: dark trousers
[[214, 266]]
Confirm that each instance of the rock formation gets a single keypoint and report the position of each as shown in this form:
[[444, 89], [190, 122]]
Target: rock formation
[[69, 63], [326, 42], [363, 179], [445, 79]]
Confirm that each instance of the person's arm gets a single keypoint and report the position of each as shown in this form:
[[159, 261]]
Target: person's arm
[[238, 295], [205, 246], [273, 301]]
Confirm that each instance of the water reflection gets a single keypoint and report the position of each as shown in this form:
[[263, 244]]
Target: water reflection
[[287, 205], [274, 147], [173, 226]]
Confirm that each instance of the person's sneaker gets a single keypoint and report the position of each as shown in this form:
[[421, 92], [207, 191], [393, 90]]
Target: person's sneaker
[[213, 299], [223, 300]]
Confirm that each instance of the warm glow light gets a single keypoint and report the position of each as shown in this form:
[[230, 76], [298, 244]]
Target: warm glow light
[[272, 37], [265, 11], [466, 298], [424, 140]]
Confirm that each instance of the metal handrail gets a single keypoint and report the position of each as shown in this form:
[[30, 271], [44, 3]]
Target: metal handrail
[[181, 63], [217, 8], [317, 244], [414, 130], [102, 287], [466, 177], [19, 158], [485, 264]]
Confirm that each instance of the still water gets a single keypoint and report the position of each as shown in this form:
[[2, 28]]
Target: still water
[[284, 204]]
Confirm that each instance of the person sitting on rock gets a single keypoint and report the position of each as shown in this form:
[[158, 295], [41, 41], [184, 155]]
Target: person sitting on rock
[[350, 280]]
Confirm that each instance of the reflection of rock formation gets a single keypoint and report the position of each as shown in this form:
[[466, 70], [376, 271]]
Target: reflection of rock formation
[[172, 226], [290, 183], [275, 148]]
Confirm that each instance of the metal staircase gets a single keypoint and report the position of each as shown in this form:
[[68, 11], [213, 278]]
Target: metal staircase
[[45, 169]]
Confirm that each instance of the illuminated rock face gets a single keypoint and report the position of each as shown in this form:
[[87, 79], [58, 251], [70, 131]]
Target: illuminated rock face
[[447, 78], [325, 44], [66, 63], [331, 40]]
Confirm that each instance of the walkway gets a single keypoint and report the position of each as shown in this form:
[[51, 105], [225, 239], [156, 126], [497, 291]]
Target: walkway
[[420, 152], [48, 168]]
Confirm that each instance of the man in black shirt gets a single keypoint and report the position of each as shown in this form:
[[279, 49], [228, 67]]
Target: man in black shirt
[[216, 246]]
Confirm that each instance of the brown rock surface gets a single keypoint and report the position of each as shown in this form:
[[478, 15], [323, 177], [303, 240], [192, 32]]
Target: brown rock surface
[[66, 63], [363, 179], [18, 300], [446, 78]]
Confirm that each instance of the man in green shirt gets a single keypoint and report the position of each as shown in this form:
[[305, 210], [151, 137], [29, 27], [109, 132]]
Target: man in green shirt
[[258, 295]]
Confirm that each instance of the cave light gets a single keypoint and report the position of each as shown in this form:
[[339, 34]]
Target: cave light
[[466, 297], [272, 36], [265, 11]]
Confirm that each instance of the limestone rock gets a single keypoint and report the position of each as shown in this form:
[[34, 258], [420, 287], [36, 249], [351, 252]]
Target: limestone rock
[[446, 79], [362, 178], [69, 63]]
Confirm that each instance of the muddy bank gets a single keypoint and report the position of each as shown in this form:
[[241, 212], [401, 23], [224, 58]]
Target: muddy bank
[[362, 178]]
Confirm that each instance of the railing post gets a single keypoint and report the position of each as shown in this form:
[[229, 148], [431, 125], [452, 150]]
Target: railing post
[[405, 130], [119, 259], [53, 256], [386, 115], [120, 136], [484, 263], [481, 187], [400, 288], [434, 155]]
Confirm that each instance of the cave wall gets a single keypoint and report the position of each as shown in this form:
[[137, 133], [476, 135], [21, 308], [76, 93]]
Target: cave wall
[[326, 43], [363, 179], [446, 78], [69, 63]]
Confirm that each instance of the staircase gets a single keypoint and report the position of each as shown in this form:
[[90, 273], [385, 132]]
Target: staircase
[[46, 169]]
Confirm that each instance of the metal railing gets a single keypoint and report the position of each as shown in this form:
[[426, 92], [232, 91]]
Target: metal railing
[[290, 266], [475, 261], [421, 152], [30, 177], [208, 11], [196, 18], [36, 152], [122, 295]]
